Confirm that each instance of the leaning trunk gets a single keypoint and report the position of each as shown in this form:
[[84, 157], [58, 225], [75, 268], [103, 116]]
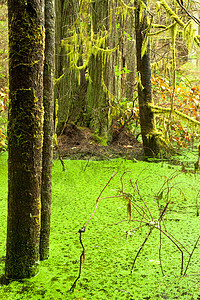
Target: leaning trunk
[[26, 51]]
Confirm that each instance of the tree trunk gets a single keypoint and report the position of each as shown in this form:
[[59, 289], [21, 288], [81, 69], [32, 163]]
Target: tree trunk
[[151, 141], [69, 93], [103, 106], [98, 114], [97, 102], [129, 55], [26, 51], [48, 128]]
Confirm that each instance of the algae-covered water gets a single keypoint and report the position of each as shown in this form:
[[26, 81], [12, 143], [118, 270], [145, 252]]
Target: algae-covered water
[[111, 239]]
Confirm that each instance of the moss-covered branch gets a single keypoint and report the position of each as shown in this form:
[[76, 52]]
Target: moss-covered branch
[[162, 30], [159, 110], [171, 13]]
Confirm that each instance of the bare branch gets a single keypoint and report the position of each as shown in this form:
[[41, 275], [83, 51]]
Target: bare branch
[[137, 190], [195, 245], [98, 199], [141, 247], [188, 13]]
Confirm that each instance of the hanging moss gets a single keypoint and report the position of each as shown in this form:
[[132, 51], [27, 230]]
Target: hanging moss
[[189, 34]]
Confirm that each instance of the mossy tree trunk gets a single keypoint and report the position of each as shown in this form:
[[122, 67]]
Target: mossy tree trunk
[[97, 99], [48, 128], [68, 92], [150, 138], [129, 56], [26, 51], [106, 89]]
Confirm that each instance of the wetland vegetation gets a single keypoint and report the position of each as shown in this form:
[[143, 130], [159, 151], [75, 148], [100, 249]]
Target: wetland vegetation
[[112, 238]]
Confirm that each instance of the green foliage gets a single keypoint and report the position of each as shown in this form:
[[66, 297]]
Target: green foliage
[[100, 140], [130, 38], [139, 82], [119, 72], [186, 101], [83, 41], [175, 99], [144, 45]]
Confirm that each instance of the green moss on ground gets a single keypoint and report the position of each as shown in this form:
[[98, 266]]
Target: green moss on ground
[[109, 250]]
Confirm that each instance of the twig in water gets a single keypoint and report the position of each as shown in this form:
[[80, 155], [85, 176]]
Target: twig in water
[[82, 259], [141, 247], [137, 190], [160, 256], [98, 199], [197, 205], [176, 244], [195, 245]]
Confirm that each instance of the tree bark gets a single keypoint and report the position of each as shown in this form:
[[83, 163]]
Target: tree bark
[[48, 128], [98, 111], [26, 51], [151, 141], [69, 93]]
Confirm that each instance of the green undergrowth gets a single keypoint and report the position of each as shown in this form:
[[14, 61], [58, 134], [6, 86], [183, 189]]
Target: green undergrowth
[[111, 242]]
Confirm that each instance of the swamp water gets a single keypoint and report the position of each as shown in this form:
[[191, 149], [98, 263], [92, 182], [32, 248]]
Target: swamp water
[[152, 192]]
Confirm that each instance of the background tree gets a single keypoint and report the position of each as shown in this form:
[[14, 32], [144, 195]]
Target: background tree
[[96, 44], [69, 93], [26, 51], [48, 128], [97, 109], [176, 110], [150, 137]]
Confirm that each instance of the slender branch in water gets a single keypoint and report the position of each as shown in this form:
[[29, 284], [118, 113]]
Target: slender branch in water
[[173, 175], [170, 235], [141, 247], [135, 205], [122, 183], [171, 239], [165, 208], [195, 245], [137, 190], [82, 258], [197, 205], [160, 257], [97, 201], [88, 162]]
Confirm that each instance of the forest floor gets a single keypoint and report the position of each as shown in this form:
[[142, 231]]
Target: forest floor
[[79, 143]]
